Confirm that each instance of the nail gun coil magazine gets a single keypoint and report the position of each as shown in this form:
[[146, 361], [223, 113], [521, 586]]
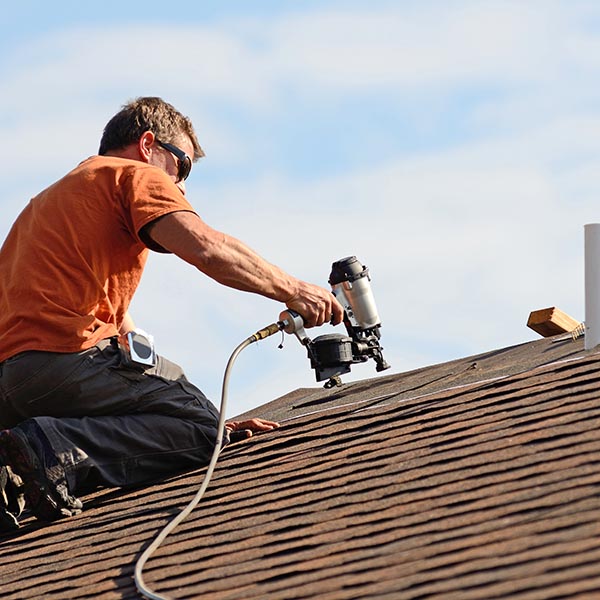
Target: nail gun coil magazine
[[332, 355]]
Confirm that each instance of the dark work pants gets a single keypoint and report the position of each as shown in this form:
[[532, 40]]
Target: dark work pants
[[107, 423]]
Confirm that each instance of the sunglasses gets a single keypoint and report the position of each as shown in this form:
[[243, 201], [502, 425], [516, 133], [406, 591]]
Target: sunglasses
[[184, 165]]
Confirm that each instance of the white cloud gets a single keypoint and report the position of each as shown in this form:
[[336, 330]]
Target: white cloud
[[431, 44], [463, 237], [460, 251]]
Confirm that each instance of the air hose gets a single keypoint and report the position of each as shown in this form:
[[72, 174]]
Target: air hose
[[160, 538]]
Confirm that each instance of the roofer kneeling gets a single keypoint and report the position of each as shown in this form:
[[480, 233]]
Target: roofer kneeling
[[76, 413]]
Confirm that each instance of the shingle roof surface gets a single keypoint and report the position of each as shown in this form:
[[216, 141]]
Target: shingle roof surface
[[478, 478]]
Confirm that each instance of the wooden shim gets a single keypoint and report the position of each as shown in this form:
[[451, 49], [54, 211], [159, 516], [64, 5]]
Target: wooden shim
[[551, 321]]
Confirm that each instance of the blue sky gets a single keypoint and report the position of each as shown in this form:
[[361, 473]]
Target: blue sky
[[451, 145]]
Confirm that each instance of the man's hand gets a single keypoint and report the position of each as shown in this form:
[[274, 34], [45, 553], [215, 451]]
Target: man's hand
[[245, 429], [315, 305]]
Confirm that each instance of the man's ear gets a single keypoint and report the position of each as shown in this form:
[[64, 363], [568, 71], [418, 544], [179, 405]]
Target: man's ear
[[145, 145]]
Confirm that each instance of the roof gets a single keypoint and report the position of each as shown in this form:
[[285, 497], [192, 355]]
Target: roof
[[477, 478]]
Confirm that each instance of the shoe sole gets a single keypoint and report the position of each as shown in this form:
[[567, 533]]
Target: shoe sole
[[9, 508], [8, 521], [43, 501]]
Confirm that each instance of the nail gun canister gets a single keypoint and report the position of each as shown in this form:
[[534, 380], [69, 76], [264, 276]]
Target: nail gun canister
[[350, 283], [331, 355]]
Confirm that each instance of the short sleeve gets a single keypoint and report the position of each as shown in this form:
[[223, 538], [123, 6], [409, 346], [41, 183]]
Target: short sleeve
[[148, 193]]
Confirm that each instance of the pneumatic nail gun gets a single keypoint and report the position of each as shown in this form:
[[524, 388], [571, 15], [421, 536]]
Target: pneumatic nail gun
[[331, 355]]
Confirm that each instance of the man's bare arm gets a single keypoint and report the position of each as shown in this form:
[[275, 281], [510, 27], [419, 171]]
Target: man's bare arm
[[127, 325], [231, 262]]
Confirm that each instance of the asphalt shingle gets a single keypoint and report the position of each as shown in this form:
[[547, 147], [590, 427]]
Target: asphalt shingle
[[478, 478]]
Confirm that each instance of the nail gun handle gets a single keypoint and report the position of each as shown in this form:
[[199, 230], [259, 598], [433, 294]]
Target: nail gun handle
[[292, 322]]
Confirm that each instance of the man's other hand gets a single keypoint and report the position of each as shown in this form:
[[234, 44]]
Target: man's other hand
[[245, 429]]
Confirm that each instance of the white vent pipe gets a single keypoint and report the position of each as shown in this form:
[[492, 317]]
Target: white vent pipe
[[592, 285]]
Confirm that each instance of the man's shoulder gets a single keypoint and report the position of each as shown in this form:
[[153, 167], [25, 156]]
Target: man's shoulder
[[108, 163], [122, 170]]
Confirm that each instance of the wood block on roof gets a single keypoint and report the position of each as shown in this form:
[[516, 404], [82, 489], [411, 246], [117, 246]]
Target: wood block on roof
[[551, 321]]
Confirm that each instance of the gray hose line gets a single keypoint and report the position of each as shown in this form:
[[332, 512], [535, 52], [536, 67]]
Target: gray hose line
[[160, 538]]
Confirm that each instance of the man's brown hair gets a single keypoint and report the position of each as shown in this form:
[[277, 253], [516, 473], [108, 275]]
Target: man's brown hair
[[148, 114]]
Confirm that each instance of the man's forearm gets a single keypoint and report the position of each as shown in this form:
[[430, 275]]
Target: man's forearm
[[230, 262], [222, 257]]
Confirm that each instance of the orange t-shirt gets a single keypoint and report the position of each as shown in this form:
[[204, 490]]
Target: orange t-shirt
[[74, 257]]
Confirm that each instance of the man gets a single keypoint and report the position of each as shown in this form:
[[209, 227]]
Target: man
[[75, 411]]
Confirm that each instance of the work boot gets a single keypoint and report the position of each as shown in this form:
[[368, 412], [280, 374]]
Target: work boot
[[12, 499], [27, 451]]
